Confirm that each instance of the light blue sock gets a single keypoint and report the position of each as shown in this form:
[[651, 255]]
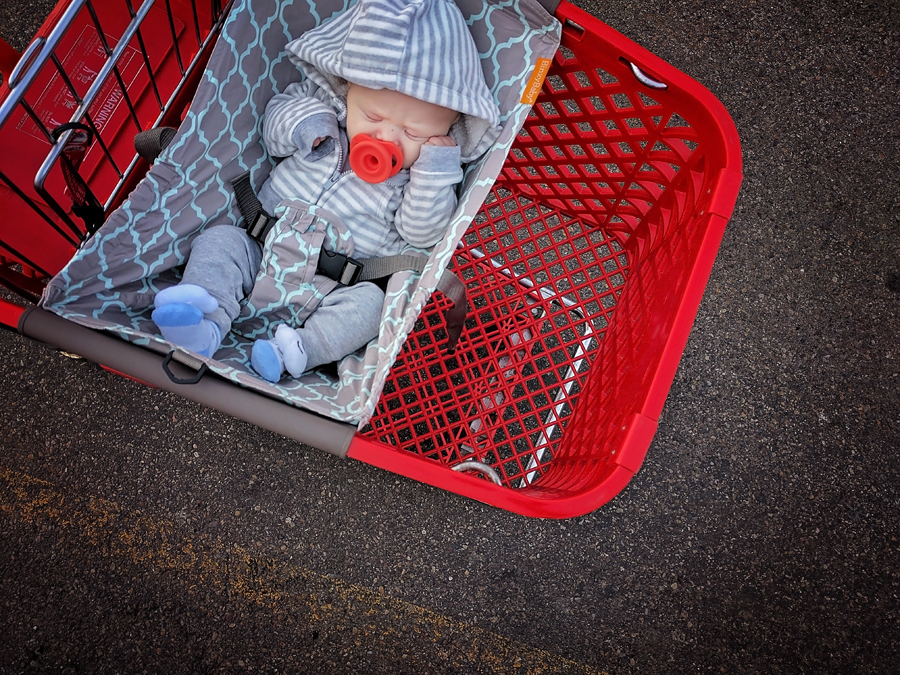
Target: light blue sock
[[292, 352], [179, 314], [189, 294], [270, 358]]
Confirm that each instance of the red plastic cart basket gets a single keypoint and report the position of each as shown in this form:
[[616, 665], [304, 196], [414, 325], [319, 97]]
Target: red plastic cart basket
[[584, 269]]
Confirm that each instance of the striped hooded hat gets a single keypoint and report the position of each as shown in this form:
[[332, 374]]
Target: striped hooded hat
[[421, 48]]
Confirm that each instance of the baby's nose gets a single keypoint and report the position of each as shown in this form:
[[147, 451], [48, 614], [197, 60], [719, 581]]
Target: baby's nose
[[390, 135], [387, 132]]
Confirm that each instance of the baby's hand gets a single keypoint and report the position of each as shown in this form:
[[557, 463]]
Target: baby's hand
[[441, 141]]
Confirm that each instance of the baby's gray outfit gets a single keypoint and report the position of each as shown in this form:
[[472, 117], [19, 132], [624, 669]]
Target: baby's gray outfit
[[414, 39], [224, 260]]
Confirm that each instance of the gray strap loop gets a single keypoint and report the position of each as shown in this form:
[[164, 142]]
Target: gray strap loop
[[149, 144]]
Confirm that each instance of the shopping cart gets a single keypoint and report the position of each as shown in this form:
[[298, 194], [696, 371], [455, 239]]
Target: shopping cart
[[584, 267]]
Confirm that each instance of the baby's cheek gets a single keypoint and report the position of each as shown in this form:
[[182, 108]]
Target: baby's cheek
[[410, 153]]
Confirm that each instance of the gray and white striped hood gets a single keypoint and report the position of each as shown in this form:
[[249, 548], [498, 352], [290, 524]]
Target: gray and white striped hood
[[421, 48]]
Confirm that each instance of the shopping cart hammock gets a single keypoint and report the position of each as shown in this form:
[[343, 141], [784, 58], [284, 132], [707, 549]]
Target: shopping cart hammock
[[111, 282]]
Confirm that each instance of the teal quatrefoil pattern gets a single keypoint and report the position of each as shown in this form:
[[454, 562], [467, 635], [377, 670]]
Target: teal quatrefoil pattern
[[111, 281]]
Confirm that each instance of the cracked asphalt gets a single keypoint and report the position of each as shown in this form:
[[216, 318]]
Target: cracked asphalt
[[142, 533]]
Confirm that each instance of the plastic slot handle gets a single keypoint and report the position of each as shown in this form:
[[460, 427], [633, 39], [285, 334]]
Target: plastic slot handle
[[643, 78]]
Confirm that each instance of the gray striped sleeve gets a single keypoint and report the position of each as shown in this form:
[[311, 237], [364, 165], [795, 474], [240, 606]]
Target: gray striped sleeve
[[293, 120], [429, 198]]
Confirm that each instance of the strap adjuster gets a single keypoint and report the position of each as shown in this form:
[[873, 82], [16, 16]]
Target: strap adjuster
[[256, 221], [260, 226], [343, 269]]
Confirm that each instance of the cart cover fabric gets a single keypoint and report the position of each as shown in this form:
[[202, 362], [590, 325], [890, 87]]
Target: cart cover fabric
[[111, 282]]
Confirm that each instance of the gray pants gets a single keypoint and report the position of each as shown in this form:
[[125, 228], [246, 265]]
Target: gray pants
[[225, 260]]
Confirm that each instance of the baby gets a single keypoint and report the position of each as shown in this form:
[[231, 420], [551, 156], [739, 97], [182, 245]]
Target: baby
[[393, 103]]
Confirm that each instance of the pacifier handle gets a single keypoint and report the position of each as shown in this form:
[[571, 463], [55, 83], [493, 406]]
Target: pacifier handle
[[373, 160]]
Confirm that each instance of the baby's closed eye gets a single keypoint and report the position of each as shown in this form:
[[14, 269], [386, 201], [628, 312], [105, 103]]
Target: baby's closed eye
[[441, 141]]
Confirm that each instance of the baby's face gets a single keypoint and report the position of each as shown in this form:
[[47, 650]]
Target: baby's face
[[391, 116]]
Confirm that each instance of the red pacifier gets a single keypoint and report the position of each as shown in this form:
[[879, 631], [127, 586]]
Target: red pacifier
[[374, 160]]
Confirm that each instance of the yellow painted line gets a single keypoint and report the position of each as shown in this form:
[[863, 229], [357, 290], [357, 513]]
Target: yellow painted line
[[207, 563]]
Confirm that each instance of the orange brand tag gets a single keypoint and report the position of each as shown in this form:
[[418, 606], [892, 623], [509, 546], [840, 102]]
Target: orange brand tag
[[536, 81]]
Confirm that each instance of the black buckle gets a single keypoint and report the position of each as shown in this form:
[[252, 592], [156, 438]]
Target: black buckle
[[260, 226], [341, 268]]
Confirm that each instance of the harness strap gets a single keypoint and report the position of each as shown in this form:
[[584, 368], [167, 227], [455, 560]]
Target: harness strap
[[449, 284], [256, 221], [150, 143], [349, 271], [343, 269], [379, 268]]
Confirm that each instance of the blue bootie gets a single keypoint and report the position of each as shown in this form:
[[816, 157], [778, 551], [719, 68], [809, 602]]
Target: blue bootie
[[270, 358], [266, 359], [179, 314], [188, 294]]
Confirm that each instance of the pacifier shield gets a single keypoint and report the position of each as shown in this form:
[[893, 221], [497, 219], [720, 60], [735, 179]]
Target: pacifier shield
[[373, 160]]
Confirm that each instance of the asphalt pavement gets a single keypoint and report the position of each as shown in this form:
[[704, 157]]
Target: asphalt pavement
[[142, 533]]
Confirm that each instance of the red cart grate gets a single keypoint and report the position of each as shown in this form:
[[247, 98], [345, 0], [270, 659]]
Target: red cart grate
[[584, 270], [541, 289]]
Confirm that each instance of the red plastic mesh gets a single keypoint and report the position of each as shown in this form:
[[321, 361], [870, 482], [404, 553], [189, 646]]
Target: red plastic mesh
[[596, 208], [541, 290], [601, 147]]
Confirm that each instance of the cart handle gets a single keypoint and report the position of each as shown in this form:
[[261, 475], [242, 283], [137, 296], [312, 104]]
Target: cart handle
[[25, 61], [481, 467]]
